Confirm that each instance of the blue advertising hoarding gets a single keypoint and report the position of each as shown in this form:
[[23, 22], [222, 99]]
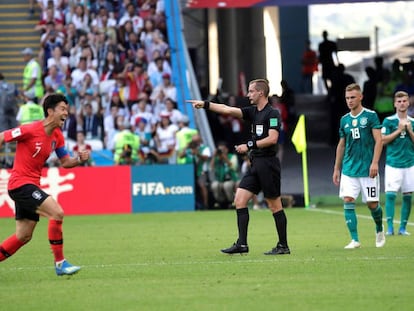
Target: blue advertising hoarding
[[162, 188]]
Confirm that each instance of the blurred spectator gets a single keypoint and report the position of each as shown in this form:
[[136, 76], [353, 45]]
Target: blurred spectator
[[57, 59], [109, 6], [81, 145], [146, 38], [165, 138], [117, 102], [336, 97], [8, 104], [123, 38], [199, 155], [78, 75], [232, 127], [109, 123], [89, 54], [32, 75], [328, 58], [167, 56], [147, 9], [288, 99], [51, 16], [81, 41], [183, 138], [91, 122], [29, 111], [379, 68], [54, 79], [87, 87], [140, 111], [141, 57], [54, 5], [384, 102], [156, 65], [224, 170], [122, 90], [111, 132], [156, 74], [309, 67], [70, 127], [163, 91], [130, 15], [136, 80], [281, 107], [110, 67], [103, 20], [71, 42], [79, 17], [396, 70], [49, 41], [369, 88], [93, 100], [175, 115], [122, 8], [157, 44], [131, 47], [147, 148], [126, 145], [68, 90]]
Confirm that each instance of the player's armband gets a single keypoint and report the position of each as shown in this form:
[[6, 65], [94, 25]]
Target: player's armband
[[61, 152]]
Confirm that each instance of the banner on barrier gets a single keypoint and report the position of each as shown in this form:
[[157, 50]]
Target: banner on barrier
[[81, 190], [162, 188]]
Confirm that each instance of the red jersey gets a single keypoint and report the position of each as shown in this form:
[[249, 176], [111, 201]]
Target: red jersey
[[309, 62], [33, 149]]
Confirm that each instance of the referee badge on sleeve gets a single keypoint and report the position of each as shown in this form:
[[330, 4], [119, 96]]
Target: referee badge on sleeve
[[16, 132], [273, 122]]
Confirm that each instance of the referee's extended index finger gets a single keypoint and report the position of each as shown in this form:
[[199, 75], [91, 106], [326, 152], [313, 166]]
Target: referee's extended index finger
[[196, 103]]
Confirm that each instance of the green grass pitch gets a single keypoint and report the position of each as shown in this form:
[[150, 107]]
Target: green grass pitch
[[171, 261]]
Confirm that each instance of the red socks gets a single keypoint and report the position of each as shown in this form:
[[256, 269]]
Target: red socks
[[56, 239], [9, 247], [12, 244]]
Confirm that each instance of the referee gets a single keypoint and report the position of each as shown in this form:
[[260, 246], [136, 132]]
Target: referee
[[264, 174]]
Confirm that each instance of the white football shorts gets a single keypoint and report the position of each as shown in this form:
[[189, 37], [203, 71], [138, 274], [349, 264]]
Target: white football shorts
[[352, 186], [399, 178]]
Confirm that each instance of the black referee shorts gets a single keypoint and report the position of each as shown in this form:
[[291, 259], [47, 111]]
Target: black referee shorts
[[27, 199], [263, 175]]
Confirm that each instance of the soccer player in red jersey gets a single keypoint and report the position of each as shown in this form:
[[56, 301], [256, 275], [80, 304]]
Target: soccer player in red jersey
[[35, 142]]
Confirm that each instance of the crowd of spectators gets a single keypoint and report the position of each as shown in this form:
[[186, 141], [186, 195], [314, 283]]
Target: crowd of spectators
[[112, 60]]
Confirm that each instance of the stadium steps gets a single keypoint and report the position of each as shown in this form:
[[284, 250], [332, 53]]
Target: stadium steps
[[16, 33]]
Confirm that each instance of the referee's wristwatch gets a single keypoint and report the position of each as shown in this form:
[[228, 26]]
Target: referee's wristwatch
[[251, 144]]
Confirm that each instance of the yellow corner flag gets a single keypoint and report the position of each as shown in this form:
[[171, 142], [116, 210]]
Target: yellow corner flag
[[299, 140], [299, 135]]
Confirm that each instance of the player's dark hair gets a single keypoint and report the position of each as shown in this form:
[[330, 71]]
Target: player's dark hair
[[52, 100], [261, 85]]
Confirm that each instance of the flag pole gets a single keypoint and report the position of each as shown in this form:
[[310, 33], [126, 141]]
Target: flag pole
[[299, 141], [305, 178]]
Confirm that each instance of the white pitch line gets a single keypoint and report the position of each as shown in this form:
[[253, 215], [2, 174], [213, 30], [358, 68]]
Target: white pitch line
[[328, 211], [215, 262]]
